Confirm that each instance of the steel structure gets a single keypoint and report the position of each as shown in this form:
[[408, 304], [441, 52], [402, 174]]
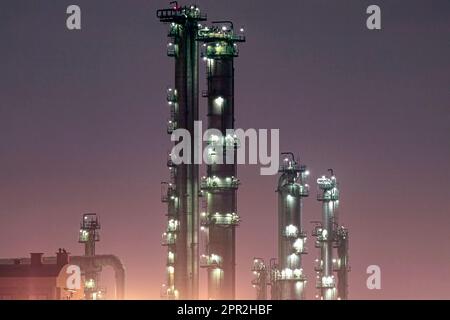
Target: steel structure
[[181, 193], [329, 236], [219, 186], [89, 235], [261, 278], [287, 277]]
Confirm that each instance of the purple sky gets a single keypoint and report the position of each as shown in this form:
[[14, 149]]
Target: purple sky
[[82, 129]]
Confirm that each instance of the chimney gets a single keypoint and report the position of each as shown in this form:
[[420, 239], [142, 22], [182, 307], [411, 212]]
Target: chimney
[[62, 257], [36, 259]]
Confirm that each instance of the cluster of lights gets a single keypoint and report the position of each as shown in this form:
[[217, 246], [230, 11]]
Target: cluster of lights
[[328, 281], [215, 181], [291, 231], [288, 274], [90, 283], [299, 245], [217, 218], [211, 260], [172, 225], [168, 238]]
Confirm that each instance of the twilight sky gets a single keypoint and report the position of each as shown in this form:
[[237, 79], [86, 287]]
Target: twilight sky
[[83, 116]]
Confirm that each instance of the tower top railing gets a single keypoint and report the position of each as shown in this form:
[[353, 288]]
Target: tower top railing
[[179, 14]]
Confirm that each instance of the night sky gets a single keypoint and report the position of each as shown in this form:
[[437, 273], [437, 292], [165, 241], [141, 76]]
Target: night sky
[[83, 129]]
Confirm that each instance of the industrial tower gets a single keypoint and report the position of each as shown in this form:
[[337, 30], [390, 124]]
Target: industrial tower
[[261, 278], [287, 277], [219, 186], [330, 235], [182, 191], [89, 235]]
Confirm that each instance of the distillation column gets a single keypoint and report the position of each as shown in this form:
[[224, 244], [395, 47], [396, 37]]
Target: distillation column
[[220, 185], [182, 192], [329, 235], [288, 279]]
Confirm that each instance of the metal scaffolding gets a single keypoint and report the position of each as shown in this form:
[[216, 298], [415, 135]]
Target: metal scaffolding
[[89, 235]]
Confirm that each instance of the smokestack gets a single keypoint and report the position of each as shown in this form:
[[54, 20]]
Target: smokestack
[[62, 257]]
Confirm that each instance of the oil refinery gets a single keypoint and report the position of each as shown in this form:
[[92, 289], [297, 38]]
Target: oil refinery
[[202, 212], [189, 41]]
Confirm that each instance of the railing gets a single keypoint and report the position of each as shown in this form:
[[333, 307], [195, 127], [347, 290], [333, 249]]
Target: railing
[[85, 236], [328, 196], [292, 231], [220, 219], [300, 190], [221, 49], [288, 274], [171, 14], [173, 225], [171, 126], [172, 95], [210, 261], [168, 293], [259, 265], [289, 166], [168, 239], [219, 183], [212, 35], [326, 282], [229, 141], [174, 30], [168, 194], [172, 50]]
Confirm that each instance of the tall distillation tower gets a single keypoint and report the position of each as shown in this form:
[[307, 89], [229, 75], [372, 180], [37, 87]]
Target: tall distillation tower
[[220, 186], [330, 235], [287, 277], [181, 193]]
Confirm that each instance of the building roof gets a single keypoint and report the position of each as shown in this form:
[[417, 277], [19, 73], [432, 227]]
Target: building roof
[[29, 271]]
